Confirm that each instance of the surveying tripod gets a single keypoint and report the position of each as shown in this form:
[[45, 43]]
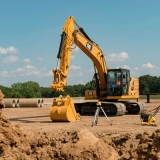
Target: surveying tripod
[[95, 119]]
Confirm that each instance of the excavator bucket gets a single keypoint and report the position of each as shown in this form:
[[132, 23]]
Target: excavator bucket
[[63, 110]]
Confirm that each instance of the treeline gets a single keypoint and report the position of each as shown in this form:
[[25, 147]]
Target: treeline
[[32, 89], [148, 84]]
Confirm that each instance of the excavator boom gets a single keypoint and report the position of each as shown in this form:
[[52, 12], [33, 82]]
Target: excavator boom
[[64, 55], [71, 35]]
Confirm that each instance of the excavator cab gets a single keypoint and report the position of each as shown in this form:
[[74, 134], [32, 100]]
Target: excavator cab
[[118, 82]]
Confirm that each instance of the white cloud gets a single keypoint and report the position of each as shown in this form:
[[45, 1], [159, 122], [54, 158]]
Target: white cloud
[[10, 49], [74, 74], [26, 60], [10, 59], [126, 67], [49, 73], [117, 57], [72, 57], [30, 67], [90, 70], [73, 67], [80, 74], [148, 65], [75, 49], [4, 74], [27, 70], [44, 68], [39, 58], [136, 68]]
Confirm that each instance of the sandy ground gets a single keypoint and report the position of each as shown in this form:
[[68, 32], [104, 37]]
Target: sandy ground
[[125, 139], [37, 119]]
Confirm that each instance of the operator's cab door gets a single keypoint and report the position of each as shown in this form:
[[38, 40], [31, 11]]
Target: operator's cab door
[[125, 81], [118, 82]]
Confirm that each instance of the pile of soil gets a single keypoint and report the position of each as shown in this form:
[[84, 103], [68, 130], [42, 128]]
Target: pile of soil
[[132, 147], [16, 144], [82, 144], [2, 105]]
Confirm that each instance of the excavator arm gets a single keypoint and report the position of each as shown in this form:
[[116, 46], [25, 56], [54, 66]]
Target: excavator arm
[[73, 34], [64, 56]]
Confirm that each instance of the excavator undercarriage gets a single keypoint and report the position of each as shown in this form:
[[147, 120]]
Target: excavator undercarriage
[[111, 108], [89, 108], [65, 109]]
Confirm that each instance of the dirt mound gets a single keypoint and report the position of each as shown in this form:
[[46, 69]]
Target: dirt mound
[[149, 145], [76, 144], [14, 144], [129, 147], [2, 105]]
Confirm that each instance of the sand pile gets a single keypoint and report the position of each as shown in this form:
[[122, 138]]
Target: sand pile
[[15, 144], [132, 147], [2, 105]]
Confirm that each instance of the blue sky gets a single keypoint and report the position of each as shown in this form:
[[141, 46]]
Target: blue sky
[[128, 32]]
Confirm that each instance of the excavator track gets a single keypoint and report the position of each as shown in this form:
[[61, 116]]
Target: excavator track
[[135, 107], [89, 108], [111, 108]]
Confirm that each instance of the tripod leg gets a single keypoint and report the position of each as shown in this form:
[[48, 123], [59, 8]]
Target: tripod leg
[[97, 115], [106, 116], [95, 119]]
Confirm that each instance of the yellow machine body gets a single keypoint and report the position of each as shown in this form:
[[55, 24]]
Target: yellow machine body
[[63, 110]]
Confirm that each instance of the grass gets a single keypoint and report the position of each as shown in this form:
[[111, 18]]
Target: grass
[[151, 96]]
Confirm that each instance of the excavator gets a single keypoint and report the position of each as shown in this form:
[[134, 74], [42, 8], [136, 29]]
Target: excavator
[[114, 88]]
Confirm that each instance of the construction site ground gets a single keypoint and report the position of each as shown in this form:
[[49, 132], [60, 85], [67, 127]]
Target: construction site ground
[[40, 138]]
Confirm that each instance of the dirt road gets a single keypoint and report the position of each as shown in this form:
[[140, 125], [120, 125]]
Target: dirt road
[[36, 121]]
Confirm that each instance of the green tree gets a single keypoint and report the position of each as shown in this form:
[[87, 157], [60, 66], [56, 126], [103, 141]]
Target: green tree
[[26, 90]]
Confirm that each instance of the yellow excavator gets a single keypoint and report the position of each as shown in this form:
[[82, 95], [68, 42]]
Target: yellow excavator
[[112, 86]]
